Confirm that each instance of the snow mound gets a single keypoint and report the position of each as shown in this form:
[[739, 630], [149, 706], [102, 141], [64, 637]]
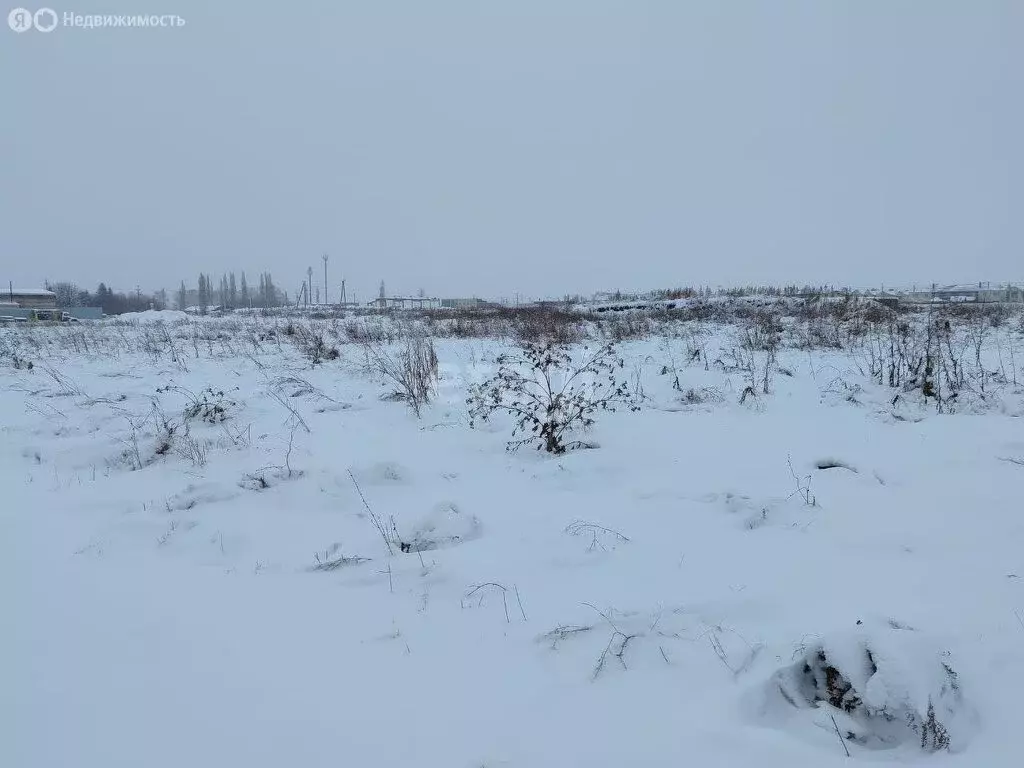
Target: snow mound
[[831, 462], [885, 688], [196, 494], [382, 473], [444, 526], [785, 512], [154, 316]]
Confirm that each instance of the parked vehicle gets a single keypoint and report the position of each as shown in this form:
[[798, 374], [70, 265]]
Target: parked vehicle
[[49, 316]]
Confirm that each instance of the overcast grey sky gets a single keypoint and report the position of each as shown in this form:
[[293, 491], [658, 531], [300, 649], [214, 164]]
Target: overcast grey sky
[[486, 147]]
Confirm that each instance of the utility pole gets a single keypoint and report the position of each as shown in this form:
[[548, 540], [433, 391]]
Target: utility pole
[[344, 299], [326, 301], [309, 283]]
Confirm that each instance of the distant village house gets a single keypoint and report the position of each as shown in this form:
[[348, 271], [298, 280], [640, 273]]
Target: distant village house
[[29, 298]]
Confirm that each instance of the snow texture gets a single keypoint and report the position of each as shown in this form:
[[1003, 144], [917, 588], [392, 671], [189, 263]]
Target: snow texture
[[693, 592]]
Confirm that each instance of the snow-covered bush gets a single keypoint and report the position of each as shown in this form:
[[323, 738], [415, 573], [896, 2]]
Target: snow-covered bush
[[445, 525], [549, 394], [881, 689], [209, 405]]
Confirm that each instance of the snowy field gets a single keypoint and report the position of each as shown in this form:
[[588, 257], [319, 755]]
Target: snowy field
[[197, 518]]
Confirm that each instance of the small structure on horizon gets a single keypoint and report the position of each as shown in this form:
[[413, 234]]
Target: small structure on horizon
[[465, 304], [29, 298], [404, 302], [978, 293]]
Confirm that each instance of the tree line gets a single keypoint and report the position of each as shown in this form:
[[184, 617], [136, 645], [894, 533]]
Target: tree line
[[229, 294], [106, 298], [204, 297]]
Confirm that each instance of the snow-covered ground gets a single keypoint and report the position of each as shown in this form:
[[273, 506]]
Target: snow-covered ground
[[682, 594]]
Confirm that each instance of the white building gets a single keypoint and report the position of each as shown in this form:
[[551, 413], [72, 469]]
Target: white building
[[29, 297]]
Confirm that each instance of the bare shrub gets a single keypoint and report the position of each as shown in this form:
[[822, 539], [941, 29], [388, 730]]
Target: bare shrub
[[600, 537], [630, 327], [895, 352], [938, 356], [550, 395], [547, 325], [755, 355], [66, 387], [331, 559], [413, 369], [20, 363], [258, 480], [702, 395], [312, 343], [763, 331], [617, 636], [803, 486], [193, 450], [387, 531]]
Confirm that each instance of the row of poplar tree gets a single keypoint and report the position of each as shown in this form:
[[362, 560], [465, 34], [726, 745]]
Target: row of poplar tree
[[230, 293]]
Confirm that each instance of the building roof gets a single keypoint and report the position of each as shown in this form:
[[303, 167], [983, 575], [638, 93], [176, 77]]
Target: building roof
[[41, 292]]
